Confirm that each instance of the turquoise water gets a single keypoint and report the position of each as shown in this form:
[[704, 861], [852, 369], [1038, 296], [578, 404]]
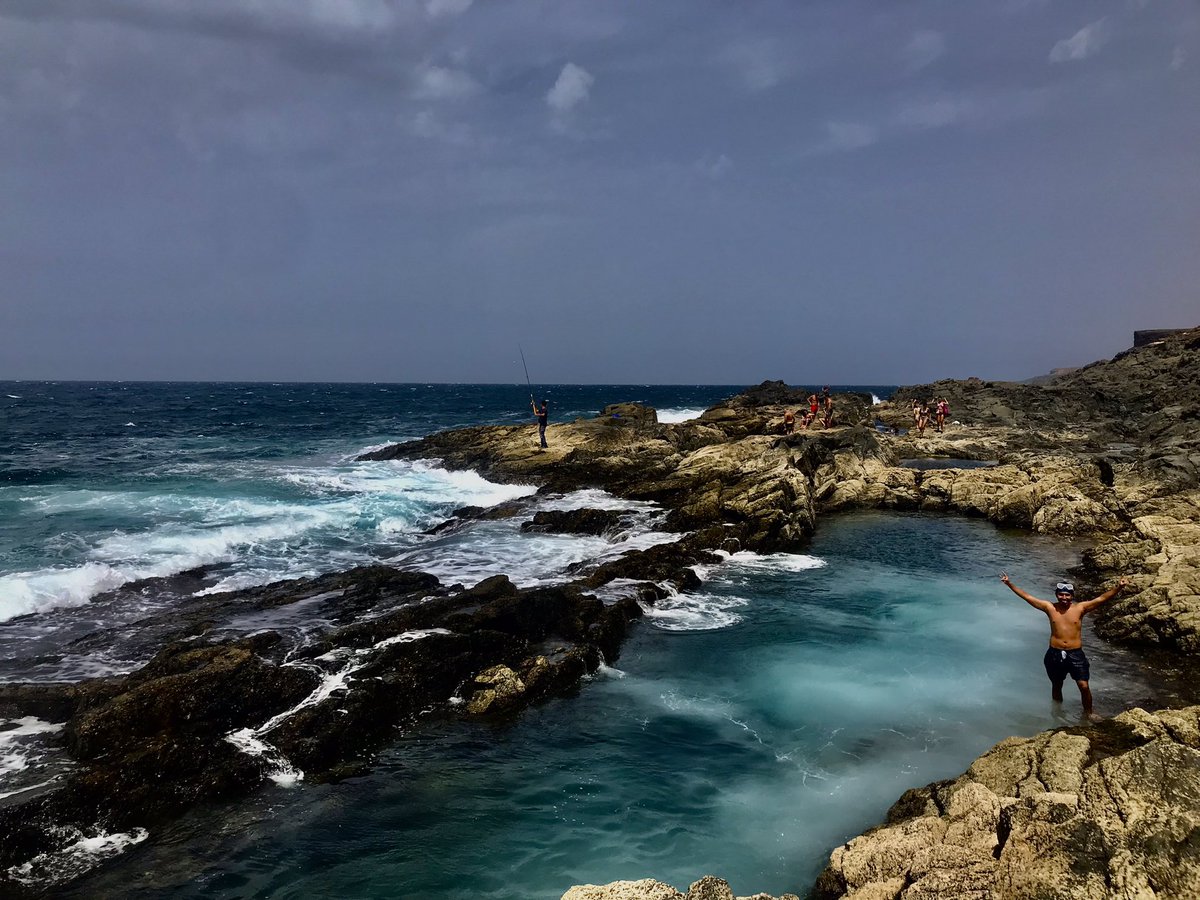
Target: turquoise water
[[779, 711]]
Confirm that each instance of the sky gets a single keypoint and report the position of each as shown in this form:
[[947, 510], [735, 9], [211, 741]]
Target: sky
[[709, 191]]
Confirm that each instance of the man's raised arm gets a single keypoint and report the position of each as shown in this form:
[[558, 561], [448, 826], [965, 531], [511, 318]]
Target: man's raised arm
[[1089, 605], [1033, 601]]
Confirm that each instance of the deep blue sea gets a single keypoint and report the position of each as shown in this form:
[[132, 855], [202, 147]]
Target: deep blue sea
[[747, 728]]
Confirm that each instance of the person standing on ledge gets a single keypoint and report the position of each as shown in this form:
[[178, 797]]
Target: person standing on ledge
[[542, 412], [1065, 655]]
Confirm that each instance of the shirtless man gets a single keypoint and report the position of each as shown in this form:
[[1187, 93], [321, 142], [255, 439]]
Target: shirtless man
[[1065, 656], [789, 421]]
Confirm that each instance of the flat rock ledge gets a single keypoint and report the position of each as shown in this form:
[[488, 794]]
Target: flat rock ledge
[[1110, 810], [707, 888]]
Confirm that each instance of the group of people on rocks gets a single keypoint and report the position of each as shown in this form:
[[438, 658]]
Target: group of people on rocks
[[936, 409], [819, 405]]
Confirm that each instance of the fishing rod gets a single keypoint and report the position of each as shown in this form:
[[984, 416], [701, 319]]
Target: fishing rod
[[527, 382]]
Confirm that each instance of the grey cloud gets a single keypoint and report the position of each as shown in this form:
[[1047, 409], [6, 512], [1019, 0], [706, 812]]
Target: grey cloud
[[924, 48], [437, 8], [573, 86], [367, 170], [442, 83], [850, 135], [760, 63], [358, 37], [933, 113], [1087, 41], [717, 167]]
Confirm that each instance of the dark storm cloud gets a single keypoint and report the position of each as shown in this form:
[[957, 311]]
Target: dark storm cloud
[[676, 191]]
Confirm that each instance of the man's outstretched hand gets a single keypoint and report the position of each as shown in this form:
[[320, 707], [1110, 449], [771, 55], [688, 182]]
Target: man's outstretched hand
[[1004, 578]]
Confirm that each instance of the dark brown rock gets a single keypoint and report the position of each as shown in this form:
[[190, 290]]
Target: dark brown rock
[[575, 521]]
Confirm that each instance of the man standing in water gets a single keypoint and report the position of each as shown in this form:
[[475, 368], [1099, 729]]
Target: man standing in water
[[542, 412], [1065, 656]]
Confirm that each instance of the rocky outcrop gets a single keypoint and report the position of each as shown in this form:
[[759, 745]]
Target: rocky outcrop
[[1143, 395], [1107, 811], [574, 521], [1093, 454], [707, 888], [210, 719], [1110, 452]]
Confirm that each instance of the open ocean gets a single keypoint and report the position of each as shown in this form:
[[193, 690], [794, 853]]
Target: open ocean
[[746, 729]]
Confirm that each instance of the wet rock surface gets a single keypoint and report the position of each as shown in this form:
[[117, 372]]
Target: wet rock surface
[[209, 719], [575, 521], [225, 705]]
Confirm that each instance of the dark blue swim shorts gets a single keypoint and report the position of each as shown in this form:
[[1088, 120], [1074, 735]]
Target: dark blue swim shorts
[[1061, 663]]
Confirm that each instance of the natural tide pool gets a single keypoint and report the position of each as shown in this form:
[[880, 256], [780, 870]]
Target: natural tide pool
[[744, 732]]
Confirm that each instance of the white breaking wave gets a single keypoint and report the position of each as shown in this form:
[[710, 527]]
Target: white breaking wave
[[85, 853], [747, 561], [681, 414], [27, 592], [604, 669], [528, 559], [702, 611], [263, 539], [875, 401], [421, 481], [694, 611], [172, 548], [594, 498], [775, 562], [20, 750]]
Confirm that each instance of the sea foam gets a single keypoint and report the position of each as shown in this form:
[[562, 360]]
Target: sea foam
[[84, 853], [264, 539], [694, 611], [670, 416]]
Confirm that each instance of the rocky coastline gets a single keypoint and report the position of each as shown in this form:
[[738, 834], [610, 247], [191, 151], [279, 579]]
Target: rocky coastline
[[1109, 452]]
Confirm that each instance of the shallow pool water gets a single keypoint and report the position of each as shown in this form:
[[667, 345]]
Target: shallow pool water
[[799, 698]]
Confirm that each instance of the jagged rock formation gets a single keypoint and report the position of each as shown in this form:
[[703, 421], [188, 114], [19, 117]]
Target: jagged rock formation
[[1107, 811], [1110, 451], [207, 720]]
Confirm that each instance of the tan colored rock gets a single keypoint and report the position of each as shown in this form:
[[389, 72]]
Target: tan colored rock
[[495, 687], [707, 888], [646, 889], [710, 888], [1111, 811]]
